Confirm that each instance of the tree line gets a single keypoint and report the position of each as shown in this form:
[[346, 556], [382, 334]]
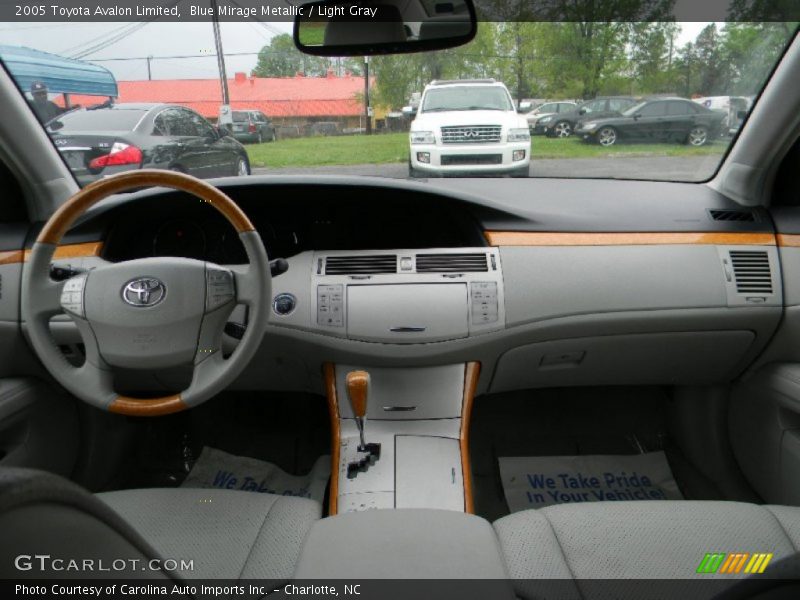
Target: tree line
[[574, 59]]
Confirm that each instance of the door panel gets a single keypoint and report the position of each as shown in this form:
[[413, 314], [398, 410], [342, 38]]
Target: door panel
[[38, 426], [765, 431], [650, 124]]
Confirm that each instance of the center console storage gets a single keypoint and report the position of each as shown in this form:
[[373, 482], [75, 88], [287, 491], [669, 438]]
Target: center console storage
[[399, 437], [391, 544], [411, 312]]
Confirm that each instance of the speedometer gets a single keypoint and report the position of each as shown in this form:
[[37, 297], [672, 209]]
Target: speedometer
[[185, 239]]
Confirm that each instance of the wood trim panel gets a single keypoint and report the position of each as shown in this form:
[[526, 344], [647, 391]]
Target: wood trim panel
[[65, 251], [329, 374], [11, 257], [536, 238], [788, 240], [153, 407], [74, 250], [471, 373]]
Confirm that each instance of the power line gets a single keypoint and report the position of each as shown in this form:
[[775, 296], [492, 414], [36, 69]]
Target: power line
[[171, 57], [87, 43], [85, 49], [110, 42]]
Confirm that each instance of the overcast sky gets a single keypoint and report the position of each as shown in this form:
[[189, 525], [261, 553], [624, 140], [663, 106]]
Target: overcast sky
[[169, 39]]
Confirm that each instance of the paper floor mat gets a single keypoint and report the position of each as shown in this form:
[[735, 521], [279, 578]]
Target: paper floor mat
[[217, 469], [536, 482]]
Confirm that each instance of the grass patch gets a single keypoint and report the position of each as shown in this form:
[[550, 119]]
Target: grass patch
[[333, 150], [393, 148]]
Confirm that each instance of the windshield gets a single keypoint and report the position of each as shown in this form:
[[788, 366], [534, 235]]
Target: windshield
[[460, 112], [477, 97]]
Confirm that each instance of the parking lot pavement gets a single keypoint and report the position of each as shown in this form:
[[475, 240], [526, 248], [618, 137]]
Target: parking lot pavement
[[670, 168]]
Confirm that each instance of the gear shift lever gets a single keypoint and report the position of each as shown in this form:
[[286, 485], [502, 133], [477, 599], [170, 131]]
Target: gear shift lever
[[357, 391]]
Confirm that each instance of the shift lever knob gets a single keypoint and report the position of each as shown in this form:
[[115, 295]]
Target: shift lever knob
[[357, 391]]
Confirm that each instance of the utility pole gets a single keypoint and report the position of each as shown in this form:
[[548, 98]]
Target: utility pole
[[223, 76], [368, 126], [149, 72]]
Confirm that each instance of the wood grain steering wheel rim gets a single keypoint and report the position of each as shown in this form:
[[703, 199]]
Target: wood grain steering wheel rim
[[55, 228], [66, 215]]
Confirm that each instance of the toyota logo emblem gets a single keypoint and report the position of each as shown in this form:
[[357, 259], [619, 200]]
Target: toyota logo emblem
[[143, 292]]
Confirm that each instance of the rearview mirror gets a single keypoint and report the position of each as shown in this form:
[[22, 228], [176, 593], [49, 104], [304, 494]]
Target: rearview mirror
[[356, 28]]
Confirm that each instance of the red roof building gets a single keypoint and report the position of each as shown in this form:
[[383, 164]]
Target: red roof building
[[283, 98]]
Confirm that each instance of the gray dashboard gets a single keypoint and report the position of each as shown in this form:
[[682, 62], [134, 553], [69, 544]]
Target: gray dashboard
[[532, 314]]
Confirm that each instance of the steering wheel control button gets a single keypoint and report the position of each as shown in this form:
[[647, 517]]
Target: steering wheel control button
[[284, 304], [72, 295], [144, 292], [330, 305], [483, 296], [219, 288]]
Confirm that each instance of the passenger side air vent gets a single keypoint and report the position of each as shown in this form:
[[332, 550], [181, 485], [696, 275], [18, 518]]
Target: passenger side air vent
[[738, 215], [452, 263], [361, 265], [751, 272]]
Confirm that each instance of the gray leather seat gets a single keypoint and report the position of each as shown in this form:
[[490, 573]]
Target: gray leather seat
[[224, 533], [638, 540], [229, 534]]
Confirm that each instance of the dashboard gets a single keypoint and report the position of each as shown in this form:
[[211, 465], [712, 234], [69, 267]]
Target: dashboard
[[545, 283], [290, 221]]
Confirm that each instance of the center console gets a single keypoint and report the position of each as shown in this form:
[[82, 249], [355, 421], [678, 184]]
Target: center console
[[407, 296], [400, 436]]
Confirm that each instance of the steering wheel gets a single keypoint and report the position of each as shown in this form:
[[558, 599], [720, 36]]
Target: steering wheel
[[146, 313]]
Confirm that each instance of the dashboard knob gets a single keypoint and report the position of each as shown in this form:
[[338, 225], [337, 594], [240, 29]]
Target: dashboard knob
[[284, 304]]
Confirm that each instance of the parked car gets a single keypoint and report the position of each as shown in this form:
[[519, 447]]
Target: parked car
[[108, 139], [563, 124], [322, 128], [469, 126], [729, 106], [659, 120], [252, 126], [546, 110]]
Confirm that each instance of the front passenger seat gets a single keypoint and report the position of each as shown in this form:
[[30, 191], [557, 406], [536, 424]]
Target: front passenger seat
[[647, 539], [224, 533]]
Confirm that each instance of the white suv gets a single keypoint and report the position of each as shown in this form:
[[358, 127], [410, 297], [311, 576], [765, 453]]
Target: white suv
[[469, 127]]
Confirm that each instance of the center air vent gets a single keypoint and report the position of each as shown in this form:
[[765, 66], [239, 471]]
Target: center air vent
[[751, 271], [452, 263], [738, 215], [361, 265]]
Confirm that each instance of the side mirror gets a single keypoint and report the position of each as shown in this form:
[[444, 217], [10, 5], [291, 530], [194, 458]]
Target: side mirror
[[582, 111], [409, 111], [222, 131], [637, 116], [524, 107], [357, 28]]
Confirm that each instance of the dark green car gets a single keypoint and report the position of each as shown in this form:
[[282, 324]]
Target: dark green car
[[252, 126]]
